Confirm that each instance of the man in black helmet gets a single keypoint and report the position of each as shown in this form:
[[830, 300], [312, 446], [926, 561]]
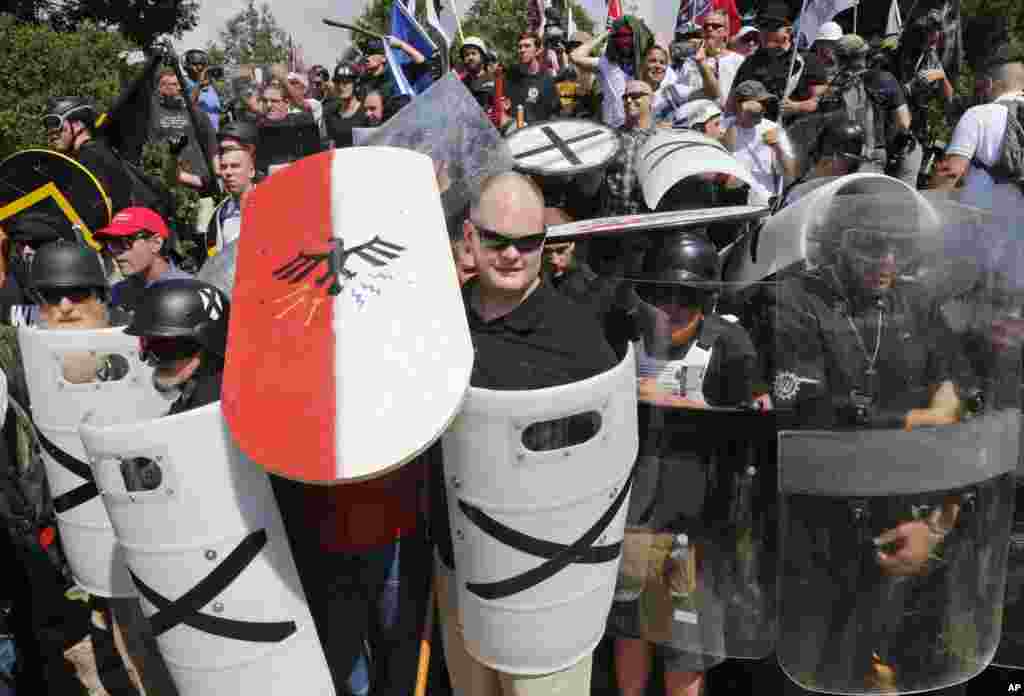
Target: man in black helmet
[[70, 124], [199, 87], [70, 286], [838, 151], [688, 358], [182, 327], [25, 234], [343, 111]]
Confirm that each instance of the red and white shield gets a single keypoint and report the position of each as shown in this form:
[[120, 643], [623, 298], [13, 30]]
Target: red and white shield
[[348, 350]]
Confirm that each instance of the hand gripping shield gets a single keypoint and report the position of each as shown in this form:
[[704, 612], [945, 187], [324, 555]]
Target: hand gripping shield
[[698, 563], [538, 485], [206, 547], [897, 395], [72, 373]]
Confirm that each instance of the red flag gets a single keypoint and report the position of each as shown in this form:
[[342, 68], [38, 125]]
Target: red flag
[[614, 11]]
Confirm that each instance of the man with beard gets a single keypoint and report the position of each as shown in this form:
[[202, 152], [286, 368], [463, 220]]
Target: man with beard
[[629, 40], [182, 326], [137, 239], [70, 125], [475, 75], [529, 86]]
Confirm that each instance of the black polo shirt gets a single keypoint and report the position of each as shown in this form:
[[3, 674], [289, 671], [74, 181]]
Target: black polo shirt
[[546, 341]]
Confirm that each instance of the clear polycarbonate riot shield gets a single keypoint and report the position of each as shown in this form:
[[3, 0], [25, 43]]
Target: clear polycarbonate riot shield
[[896, 395], [538, 487], [698, 564], [204, 542], [71, 373]]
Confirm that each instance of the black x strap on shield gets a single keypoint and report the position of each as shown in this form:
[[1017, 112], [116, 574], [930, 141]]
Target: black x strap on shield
[[78, 495], [559, 556], [561, 144], [185, 609]]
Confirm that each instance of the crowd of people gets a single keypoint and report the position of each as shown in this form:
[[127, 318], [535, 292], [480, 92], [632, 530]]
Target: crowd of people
[[851, 344]]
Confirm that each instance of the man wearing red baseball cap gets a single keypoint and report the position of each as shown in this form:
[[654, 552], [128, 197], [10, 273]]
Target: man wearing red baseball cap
[[138, 239]]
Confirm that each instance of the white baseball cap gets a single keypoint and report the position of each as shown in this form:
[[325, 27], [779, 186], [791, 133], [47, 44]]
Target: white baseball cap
[[694, 113], [829, 31]]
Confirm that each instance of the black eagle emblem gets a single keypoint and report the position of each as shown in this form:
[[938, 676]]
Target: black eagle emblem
[[377, 252]]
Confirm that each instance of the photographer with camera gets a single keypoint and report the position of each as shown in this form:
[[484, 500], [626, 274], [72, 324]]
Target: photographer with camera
[[199, 84]]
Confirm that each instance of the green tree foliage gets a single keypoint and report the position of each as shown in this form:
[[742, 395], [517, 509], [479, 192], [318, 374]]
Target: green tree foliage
[[497, 22], [252, 36], [141, 21], [38, 62]]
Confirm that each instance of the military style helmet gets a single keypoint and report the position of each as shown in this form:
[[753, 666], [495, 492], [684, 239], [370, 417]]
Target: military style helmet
[[184, 308], [477, 43], [37, 228], [681, 267], [59, 109], [344, 71], [64, 264], [243, 131], [851, 46], [195, 57]]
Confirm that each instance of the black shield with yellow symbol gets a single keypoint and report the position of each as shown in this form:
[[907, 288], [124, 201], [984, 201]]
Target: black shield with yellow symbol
[[43, 181]]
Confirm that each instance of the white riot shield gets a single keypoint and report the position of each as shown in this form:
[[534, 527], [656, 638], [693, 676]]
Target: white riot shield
[[538, 487], [71, 373], [205, 545], [698, 567], [671, 156], [896, 391]]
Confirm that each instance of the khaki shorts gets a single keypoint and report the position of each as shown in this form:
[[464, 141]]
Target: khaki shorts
[[472, 678]]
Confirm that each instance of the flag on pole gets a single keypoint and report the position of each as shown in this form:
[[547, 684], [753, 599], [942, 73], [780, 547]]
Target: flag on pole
[[571, 25], [401, 81], [695, 11], [816, 13], [894, 25], [434, 20], [405, 27], [614, 11]]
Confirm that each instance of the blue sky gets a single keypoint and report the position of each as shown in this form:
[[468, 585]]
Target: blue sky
[[323, 45]]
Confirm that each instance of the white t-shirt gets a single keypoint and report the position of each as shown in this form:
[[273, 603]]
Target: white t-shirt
[[728, 65], [760, 158], [979, 135]]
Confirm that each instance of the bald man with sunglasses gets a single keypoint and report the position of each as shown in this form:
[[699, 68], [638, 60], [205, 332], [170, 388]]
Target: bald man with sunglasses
[[526, 335]]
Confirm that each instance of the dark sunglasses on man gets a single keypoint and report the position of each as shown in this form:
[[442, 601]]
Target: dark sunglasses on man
[[494, 241], [119, 245], [154, 350], [54, 296]]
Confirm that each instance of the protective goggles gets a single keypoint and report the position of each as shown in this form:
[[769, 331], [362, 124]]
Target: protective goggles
[[494, 241], [154, 350], [75, 295], [119, 245]]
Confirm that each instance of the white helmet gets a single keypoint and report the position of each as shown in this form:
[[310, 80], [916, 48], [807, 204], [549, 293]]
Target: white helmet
[[474, 42], [829, 31]]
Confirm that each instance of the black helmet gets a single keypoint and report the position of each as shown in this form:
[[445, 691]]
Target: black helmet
[[843, 138], [58, 109], [243, 131], [184, 308], [195, 57], [345, 71], [36, 228], [680, 268], [64, 264]]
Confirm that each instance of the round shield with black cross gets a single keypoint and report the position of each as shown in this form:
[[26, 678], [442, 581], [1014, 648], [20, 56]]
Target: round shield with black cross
[[563, 148], [43, 181]]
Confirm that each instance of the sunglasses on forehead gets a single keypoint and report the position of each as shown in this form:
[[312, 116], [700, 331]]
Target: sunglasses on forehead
[[494, 241], [54, 296]]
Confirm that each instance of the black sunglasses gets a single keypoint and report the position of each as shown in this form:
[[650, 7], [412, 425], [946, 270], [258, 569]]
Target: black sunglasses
[[119, 245], [499, 242], [54, 296], [154, 350]]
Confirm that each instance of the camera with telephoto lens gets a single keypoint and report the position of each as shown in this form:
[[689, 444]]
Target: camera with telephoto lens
[[860, 409], [554, 38]]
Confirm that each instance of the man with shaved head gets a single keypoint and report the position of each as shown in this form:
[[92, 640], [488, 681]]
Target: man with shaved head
[[526, 335], [975, 149]]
